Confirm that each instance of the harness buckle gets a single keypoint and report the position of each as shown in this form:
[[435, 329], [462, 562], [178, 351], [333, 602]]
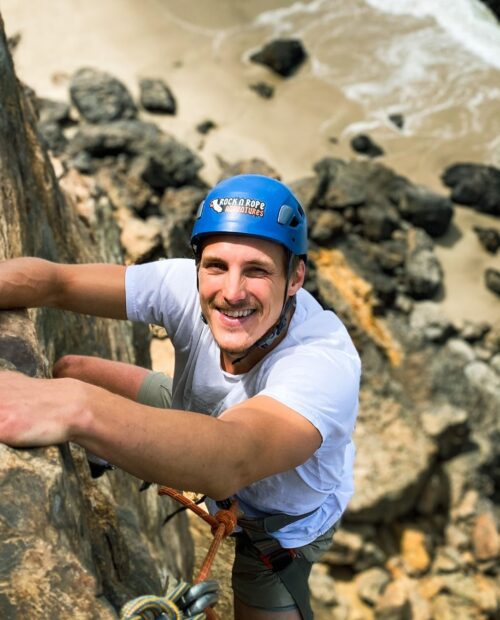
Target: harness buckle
[[279, 559]]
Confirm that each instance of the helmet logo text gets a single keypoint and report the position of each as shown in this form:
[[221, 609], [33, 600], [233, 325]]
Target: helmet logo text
[[248, 206]]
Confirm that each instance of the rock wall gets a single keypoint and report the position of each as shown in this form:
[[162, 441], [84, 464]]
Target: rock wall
[[70, 545]]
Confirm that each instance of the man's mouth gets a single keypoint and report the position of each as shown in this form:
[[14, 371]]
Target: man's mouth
[[237, 314]]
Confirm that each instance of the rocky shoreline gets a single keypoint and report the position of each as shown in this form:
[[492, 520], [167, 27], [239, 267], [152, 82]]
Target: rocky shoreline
[[420, 539]]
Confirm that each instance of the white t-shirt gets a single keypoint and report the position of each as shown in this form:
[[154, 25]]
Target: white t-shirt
[[314, 370]]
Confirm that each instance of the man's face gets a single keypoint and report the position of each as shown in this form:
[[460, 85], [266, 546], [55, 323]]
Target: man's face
[[242, 288]]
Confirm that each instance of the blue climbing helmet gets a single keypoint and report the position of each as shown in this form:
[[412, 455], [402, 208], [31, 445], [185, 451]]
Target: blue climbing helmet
[[254, 205]]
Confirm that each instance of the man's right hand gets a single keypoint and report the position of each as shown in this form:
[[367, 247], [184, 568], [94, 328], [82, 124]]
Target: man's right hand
[[96, 289]]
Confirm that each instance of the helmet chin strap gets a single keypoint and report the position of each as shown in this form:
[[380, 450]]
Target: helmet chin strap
[[265, 341]]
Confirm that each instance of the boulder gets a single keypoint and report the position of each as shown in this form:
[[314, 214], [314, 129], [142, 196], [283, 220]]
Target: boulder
[[428, 322], [472, 331], [485, 537], [357, 183], [307, 190], [423, 271], [378, 221], [179, 207], [156, 96], [397, 119], [426, 210], [283, 56], [371, 584], [125, 191], [489, 238], [248, 166], [100, 97], [155, 157], [474, 185], [141, 239], [325, 225], [492, 280], [365, 145], [424, 275], [394, 460], [449, 428], [51, 111], [52, 137], [69, 546]]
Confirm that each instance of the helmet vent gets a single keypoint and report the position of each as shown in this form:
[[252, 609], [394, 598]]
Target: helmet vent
[[294, 222], [200, 210]]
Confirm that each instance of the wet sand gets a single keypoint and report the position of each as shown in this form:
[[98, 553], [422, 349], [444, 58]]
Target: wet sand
[[208, 71]]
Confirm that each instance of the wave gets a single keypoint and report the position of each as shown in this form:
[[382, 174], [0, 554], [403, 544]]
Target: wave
[[469, 22]]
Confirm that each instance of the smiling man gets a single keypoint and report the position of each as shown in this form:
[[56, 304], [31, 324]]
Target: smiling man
[[264, 396]]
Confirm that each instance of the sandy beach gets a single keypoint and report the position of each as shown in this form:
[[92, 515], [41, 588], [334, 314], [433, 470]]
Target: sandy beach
[[201, 50]]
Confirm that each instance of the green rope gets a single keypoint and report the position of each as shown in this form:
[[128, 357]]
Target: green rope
[[149, 607]]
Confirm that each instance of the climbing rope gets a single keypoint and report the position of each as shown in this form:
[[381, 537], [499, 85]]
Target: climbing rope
[[187, 601], [184, 601], [222, 524]]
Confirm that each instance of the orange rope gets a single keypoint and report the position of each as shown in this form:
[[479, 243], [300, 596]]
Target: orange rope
[[222, 524]]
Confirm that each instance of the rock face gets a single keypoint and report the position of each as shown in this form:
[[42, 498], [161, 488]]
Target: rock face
[[69, 546]]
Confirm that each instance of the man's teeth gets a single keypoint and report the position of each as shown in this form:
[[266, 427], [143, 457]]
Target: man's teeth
[[236, 314]]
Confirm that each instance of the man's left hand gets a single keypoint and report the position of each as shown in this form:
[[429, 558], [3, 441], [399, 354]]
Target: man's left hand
[[34, 412]]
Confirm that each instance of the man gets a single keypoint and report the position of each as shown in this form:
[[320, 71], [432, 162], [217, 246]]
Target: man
[[278, 376]]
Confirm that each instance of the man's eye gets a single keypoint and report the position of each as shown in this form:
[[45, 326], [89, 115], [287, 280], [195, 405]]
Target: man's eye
[[214, 267], [257, 272]]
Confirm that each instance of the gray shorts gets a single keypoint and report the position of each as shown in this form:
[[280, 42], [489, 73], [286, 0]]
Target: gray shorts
[[253, 582], [156, 390], [257, 585]]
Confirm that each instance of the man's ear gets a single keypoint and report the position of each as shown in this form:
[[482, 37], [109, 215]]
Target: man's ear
[[297, 278]]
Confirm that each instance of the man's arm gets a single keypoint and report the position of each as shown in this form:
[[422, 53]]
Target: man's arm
[[96, 289], [250, 441]]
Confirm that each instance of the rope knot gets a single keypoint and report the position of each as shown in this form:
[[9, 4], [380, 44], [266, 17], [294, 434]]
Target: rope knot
[[228, 519]]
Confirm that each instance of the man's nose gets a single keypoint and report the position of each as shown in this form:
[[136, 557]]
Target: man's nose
[[234, 290]]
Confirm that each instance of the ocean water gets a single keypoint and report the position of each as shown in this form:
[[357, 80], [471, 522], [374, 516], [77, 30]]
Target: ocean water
[[436, 62]]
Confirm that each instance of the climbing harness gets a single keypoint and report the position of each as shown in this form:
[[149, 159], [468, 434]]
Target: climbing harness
[[286, 563]]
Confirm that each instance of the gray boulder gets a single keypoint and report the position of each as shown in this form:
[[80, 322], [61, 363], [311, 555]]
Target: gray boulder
[[428, 322], [156, 96], [100, 97], [394, 460], [489, 238], [157, 158], [426, 210], [474, 185], [179, 207]]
